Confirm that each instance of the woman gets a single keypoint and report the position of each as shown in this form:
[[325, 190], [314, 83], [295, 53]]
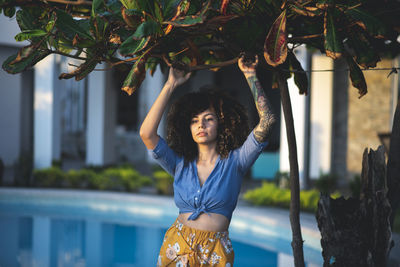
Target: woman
[[208, 153]]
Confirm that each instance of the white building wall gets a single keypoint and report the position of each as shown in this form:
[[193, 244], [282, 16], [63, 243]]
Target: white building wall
[[11, 94], [10, 108], [149, 91], [321, 116]]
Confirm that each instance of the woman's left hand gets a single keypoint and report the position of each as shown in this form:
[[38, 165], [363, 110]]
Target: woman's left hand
[[248, 65]]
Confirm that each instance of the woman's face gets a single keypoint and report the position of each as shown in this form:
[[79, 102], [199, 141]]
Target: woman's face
[[204, 127]]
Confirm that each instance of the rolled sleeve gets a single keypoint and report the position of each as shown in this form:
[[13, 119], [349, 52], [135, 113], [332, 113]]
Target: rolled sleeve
[[248, 153], [164, 156]]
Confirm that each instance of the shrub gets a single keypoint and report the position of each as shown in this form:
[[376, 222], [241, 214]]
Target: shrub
[[125, 178], [326, 183], [163, 182], [270, 195], [51, 177], [81, 178]]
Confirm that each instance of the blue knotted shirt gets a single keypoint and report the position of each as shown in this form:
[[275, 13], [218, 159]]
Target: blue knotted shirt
[[220, 191]]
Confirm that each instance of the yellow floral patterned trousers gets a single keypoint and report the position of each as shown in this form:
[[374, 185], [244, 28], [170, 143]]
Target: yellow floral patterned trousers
[[187, 247]]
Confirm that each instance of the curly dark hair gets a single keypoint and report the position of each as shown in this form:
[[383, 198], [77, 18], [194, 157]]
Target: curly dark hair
[[233, 126]]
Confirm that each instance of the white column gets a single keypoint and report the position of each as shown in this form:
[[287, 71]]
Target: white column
[[41, 241], [321, 116], [149, 91], [300, 124], [100, 132], [46, 140], [11, 94]]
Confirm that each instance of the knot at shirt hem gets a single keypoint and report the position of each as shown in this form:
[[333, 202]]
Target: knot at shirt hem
[[197, 212]]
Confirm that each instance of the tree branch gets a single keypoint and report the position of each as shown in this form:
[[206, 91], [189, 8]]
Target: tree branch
[[19, 3], [67, 55], [302, 38], [216, 65], [124, 61], [74, 3], [297, 239]]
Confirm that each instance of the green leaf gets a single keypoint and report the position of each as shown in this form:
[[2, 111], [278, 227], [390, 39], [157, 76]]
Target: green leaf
[[356, 76], [98, 27], [26, 57], [132, 17], [63, 45], [26, 18], [130, 4], [168, 7], [158, 12], [96, 7], [84, 24], [25, 35], [151, 65], [333, 42], [131, 46], [370, 23], [147, 28], [135, 76], [133, 12], [9, 11], [147, 6], [124, 33], [69, 26], [186, 21], [365, 54], [275, 45], [85, 43], [114, 7], [300, 77], [50, 25], [83, 70]]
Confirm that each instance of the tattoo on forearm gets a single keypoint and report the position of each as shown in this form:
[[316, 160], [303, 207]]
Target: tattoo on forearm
[[267, 118]]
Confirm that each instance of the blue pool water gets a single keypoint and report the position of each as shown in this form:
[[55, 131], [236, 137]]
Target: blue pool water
[[67, 228]]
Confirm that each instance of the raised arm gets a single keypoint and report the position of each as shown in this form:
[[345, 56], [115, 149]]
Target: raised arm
[[148, 130], [267, 118]]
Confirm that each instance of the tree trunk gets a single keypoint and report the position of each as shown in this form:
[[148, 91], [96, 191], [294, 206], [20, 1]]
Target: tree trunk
[[393, 165], [356, 232], [297, 240]]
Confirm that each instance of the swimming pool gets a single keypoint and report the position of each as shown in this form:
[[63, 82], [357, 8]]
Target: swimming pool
[[85, 228]]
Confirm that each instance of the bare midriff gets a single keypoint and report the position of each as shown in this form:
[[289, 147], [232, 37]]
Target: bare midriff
[[206, 221]]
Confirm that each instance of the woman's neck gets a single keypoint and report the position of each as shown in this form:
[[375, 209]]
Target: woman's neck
[[207, 153]]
